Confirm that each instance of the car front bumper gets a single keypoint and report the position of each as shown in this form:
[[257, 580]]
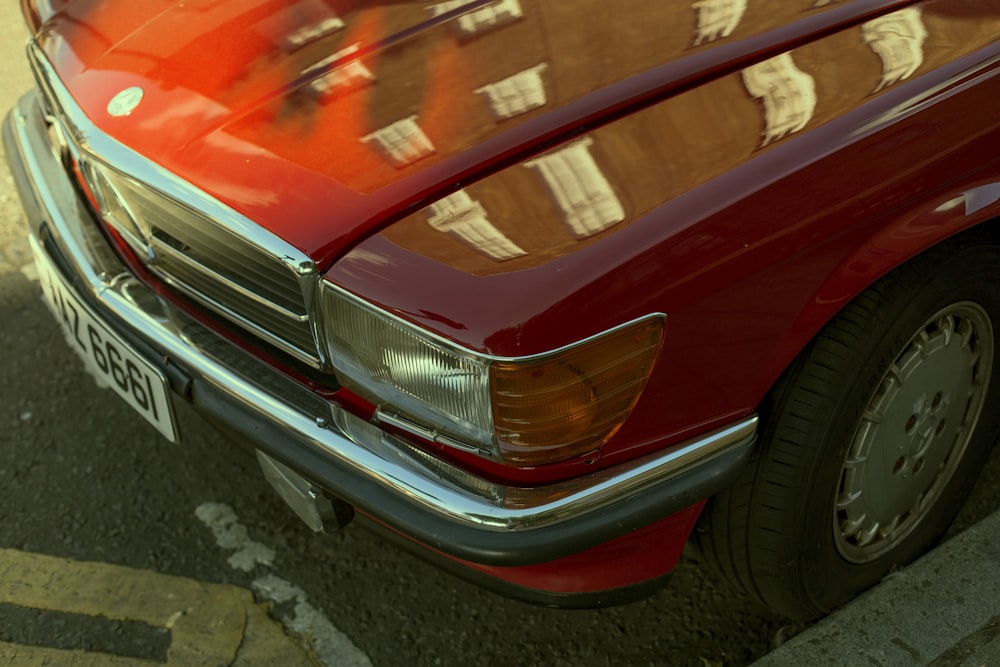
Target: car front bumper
[[413, 495]]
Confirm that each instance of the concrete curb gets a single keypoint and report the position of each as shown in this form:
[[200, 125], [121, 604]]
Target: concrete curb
[[208, 624], [942, 610]]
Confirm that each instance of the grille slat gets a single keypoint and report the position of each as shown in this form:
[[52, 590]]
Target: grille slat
[[239, 307], [172, 261]]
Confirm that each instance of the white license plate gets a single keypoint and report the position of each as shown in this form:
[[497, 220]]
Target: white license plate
[[110, 358]]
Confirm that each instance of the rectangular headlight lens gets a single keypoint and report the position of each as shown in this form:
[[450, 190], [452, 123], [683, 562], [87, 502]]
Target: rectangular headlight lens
[[440, 387]]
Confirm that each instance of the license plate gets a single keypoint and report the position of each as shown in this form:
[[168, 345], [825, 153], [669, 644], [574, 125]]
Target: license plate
[[109, 358]]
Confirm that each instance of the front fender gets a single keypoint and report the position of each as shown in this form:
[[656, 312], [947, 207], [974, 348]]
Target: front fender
[[900, 238]]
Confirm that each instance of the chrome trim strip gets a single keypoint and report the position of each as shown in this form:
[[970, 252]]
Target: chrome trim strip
[[383, 417], [356, 445], [573, 498]]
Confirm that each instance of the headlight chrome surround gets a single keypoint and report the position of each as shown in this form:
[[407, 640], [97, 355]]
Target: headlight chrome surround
[[522, 411]]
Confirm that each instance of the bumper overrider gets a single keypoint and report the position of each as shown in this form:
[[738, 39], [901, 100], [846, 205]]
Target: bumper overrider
[[312, 450]]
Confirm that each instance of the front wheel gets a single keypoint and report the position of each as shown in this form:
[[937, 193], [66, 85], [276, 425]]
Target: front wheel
[[871, 441]]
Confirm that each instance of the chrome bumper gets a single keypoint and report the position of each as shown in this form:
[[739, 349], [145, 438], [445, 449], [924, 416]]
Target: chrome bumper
[[412, 493]]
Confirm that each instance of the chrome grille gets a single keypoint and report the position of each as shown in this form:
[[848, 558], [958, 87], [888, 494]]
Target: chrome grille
[[193, 242], [199, 257]]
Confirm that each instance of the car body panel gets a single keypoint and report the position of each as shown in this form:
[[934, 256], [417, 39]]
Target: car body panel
[[749, 242], [228, 103]]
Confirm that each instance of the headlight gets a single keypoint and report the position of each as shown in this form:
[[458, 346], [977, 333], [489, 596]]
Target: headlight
[[521, 411]]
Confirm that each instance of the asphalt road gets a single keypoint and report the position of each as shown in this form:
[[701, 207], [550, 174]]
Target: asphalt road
[[83, 478]]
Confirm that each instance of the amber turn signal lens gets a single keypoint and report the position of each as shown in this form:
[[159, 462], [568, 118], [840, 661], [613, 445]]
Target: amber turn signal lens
[[570, 403]]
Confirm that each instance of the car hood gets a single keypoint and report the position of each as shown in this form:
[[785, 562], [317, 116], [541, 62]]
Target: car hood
[[326, 120]]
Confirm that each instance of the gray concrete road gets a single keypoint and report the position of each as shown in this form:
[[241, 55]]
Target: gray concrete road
[[15, 78]]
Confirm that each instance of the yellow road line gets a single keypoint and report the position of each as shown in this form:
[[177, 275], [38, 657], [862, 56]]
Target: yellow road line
[[17, 655], [208, 622]]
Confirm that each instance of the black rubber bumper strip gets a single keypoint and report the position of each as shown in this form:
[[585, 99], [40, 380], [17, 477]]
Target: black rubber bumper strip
[[468, 542], [542, 598]]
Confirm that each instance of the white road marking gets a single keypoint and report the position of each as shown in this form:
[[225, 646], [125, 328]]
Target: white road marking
[[331, 646], [231, 534], [308, 621]]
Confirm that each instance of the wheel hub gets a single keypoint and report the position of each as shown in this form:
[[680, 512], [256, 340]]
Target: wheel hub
[[913, 432]]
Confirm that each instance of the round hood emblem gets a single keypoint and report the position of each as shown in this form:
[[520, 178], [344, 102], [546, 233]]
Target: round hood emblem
[[125, 101]]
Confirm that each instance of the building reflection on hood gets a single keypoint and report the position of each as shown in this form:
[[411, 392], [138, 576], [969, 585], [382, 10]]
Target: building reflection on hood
[[571, 196]]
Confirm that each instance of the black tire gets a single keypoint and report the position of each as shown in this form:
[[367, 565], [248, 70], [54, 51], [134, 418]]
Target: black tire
[[864, 427]]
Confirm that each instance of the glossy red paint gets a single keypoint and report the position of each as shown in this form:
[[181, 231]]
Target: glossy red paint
[[242, 129], [749, 264], [747, 259]]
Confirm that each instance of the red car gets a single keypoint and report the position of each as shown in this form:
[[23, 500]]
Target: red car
[[540, 288]]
